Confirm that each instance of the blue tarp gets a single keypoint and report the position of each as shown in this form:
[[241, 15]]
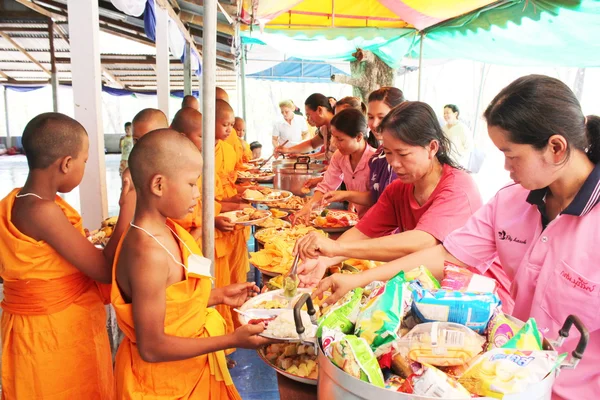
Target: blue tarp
[[299, 70], [107, 89]]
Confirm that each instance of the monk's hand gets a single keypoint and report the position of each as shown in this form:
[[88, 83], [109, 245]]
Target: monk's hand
[[338, 285], [238, 293], [247, 337], [224, 224], [127, 189], [315, 245]]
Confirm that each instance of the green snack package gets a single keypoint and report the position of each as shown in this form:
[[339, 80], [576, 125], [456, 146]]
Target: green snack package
[[424, 276], [380, 318], [342, 315], [528, 338], [353, 355]]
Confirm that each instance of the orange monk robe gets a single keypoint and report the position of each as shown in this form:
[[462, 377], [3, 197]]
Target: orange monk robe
[[54, 340], [247, 152], [222, 272], [235, 142], [187, 315], [226, 160]]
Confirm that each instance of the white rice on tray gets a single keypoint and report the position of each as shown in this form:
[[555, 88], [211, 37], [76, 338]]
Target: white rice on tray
[[284, 327]]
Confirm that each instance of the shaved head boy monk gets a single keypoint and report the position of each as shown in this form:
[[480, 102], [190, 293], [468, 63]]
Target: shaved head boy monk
[[147, 120], [191, 102], [55, 343], [174, 344]]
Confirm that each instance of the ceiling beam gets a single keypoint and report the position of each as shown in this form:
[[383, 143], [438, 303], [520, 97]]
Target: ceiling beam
[[199, 20], [21, 29], [25, 53], [2, 74], [41, 10]]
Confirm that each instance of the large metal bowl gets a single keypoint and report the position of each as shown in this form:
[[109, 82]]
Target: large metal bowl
[[292, 174]]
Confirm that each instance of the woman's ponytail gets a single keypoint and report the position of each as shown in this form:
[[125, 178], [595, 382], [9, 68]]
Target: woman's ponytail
[[592, 127]]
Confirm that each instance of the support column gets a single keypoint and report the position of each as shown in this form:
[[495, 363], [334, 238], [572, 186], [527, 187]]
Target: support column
[[187, 70], [87, 80], [420, 65], [163, 75], [8, 144], [243, 73], [53, 77], [208, 126]]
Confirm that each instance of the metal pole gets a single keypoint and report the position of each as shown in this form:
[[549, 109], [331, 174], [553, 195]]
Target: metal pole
[[163, 74], [187, 70], [8, 144], [420, 65], [483, 68], [208, 127], [243, 73], [53, 77]]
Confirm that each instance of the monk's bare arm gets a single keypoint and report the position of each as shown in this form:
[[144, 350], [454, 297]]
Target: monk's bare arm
[[126, 211], [48, 223], [147, 273]]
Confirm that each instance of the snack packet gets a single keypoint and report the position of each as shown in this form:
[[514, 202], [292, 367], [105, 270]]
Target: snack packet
[[473, 310], [506, 371], [342, 314], [380, 318], [463, 280], [394, 382], [500, 331], [424, 276], [528, 338], [441, 344], [434, 383], [354, 356]]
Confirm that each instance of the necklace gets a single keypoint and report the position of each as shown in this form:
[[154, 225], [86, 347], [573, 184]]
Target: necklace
[[28, 194]]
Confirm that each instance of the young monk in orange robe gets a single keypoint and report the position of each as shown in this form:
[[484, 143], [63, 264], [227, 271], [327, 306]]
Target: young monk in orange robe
[[161, 292], [189, 122], [240, 128], [54, 339]]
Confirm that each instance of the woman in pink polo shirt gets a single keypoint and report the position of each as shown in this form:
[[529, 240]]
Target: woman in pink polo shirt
[[350, 162], [545, 228], [431, 198]]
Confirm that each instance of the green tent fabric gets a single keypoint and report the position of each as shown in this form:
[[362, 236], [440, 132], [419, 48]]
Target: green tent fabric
[[540, 32], [517, 32], [338, 43]]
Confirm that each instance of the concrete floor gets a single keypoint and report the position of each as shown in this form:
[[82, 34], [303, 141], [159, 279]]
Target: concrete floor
[[252, 377]]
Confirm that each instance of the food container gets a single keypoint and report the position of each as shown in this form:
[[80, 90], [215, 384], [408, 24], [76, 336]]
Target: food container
[[292, 174], [334, 383]]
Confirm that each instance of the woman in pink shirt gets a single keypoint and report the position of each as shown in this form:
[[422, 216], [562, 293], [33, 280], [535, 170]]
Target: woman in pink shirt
[[350, 162], [545, 228]]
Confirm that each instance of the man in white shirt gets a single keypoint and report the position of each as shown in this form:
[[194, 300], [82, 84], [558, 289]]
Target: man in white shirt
[[291, 128]]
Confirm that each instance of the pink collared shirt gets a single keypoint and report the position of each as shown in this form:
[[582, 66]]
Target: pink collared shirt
[[340, 171], [554, 270]]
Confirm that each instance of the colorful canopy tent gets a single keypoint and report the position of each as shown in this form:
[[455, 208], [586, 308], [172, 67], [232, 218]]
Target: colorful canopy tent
[[298, 70], [514, 32]]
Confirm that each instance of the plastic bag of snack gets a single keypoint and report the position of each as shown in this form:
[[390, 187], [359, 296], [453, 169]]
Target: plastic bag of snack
[[463, 280], [500, 331], [394, 382], [434, 383], [441, 344], [380, 317], [528, 338], [390, 358], [505, 371], [342, 314], [424, 276], [354, 356], [473, 310]]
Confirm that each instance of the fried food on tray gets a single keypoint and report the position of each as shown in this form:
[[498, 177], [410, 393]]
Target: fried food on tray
[[294, 203]]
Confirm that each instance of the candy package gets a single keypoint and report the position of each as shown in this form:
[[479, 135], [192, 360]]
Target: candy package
[[463, 280], [342, 315], [507, 371], [394, 382], [528, 338], [473, 310], [380, 317], [441, 344], [434, 383], [424, 276], [500, 331], [354, 356]]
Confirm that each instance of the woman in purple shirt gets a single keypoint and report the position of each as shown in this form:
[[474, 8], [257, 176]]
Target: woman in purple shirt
[[381, 101]]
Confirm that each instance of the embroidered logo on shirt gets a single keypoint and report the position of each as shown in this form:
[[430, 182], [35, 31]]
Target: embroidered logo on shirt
[[502, 235], [578, 282]]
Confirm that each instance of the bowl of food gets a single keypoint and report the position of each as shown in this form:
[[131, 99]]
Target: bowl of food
[[334, 221], [266, 195], [247, 217]]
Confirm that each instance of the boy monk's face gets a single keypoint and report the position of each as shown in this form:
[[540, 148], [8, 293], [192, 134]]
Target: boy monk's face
[[224, 122], [74, 167], [196, 138], [180, 191]]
